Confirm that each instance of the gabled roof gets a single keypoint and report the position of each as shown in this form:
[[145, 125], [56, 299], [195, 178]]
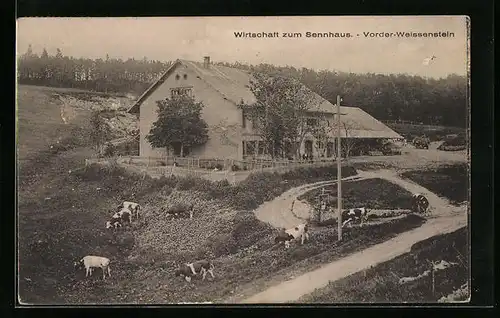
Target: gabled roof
[[234, 85]]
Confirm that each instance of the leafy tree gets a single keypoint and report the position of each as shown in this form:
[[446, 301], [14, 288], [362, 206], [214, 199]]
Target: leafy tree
[[348, 144], [322, 133], [280, 109], [179, 122]]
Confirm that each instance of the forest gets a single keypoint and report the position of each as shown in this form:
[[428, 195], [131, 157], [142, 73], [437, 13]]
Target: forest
[[386, 97]]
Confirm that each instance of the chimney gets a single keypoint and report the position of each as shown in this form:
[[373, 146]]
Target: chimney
[[206, 61]]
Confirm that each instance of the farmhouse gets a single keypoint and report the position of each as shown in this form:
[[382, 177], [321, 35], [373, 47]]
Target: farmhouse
[[231, 133]]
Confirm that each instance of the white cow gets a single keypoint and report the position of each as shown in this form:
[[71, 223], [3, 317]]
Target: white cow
[[132, 207], [90, 262], [358, 214], [299, 231]]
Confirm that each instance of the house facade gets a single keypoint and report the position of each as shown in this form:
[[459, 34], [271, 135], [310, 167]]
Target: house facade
[[232, 134]]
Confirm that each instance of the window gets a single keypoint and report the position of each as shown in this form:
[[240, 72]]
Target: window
[[181, 91], [249, 148], [312, 122], [255, 122], [308, 145], [177, 77], [185, 76], [320, 145], [243, 119], [262, 148], [329, 149]]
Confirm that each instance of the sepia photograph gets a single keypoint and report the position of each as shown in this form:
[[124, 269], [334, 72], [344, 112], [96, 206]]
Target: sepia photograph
[[243, 160]]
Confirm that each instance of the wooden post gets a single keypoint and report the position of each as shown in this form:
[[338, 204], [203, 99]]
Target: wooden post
[[339, 175]]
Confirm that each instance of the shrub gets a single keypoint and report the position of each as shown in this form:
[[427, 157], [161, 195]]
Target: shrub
[[244, 200], [96, 172], [220, 189], [203, 185], [109, 150], [170, 181], [222, 244], [187, 183], [247, 230]]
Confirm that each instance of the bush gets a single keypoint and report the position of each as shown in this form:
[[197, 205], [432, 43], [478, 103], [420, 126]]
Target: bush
[[187, 183], [454, 144], [244, 200], [97, 172], [170, 181], [220, 189], [222, 244], [247, 230], [109, 150]]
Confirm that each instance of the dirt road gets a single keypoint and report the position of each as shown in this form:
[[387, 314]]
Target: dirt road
[[445, 218], [277, 212]]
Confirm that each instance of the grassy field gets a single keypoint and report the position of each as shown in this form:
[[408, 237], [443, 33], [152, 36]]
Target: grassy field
[[381, 283], [62, 212], [40, 124], [449, 181], [435, 133], [370, 193]]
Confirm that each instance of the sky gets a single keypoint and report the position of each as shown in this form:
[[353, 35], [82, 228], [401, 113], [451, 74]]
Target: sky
[[191, 38]]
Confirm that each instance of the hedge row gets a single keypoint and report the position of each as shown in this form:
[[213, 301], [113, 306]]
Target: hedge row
[[246, 195]]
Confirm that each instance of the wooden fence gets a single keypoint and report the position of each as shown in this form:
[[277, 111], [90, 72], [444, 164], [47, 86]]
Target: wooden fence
[[204, 167]]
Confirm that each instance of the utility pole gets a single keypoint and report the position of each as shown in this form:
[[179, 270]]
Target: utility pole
[[339, 175]]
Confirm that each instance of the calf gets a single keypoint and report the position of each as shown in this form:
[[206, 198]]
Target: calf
[[191, 269], [181, 211], [358, 214], [132, 207], [90, 262], [300, 231], [420, 203]]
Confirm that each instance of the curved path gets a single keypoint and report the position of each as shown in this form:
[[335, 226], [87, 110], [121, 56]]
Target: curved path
[[445, 218], [277, 211]]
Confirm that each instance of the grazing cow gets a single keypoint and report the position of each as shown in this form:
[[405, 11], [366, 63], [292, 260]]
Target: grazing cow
[[132, 207], [90, 262], [196, 268], [420, 203], [358, 214], [119, 218], [300, 231], [181, 211]]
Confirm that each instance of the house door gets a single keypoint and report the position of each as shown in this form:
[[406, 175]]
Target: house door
[[308, 147], [176, 147], [329, 149]]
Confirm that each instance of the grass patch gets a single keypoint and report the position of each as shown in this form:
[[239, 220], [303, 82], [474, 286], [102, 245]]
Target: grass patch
[[381, 283], [454, 144], [449, 181], [434, 133], [370, 193], [66, 221]]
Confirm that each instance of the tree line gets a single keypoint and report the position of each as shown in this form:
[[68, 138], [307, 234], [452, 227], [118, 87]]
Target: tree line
[[104, 75], [385, 97]]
